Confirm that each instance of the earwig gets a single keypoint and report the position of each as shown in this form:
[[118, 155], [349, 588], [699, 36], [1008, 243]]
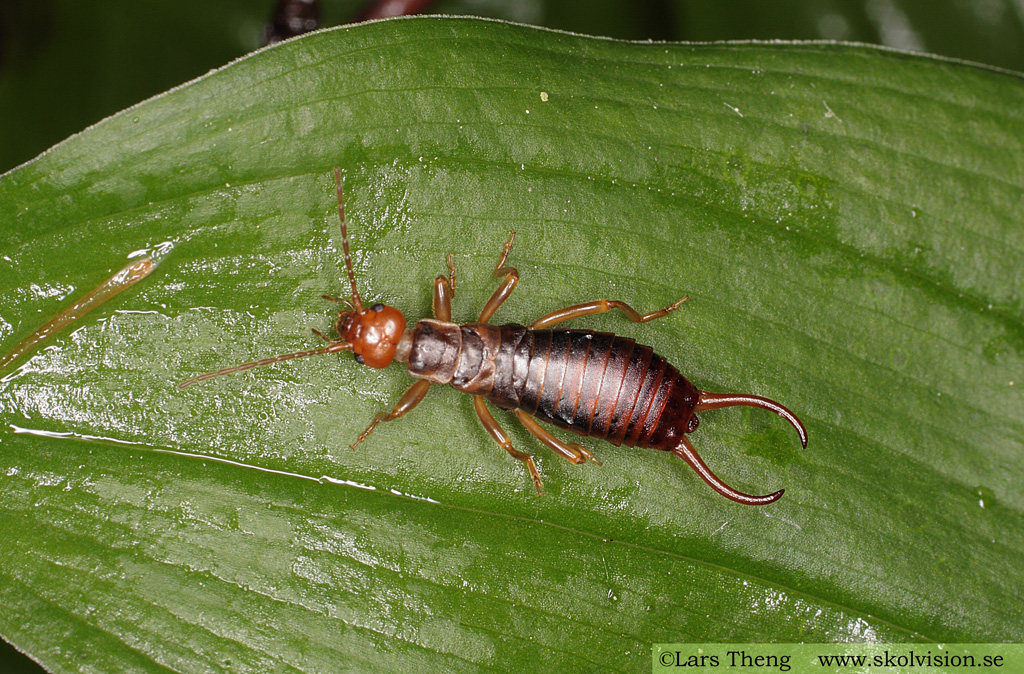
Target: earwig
[[596, 384]]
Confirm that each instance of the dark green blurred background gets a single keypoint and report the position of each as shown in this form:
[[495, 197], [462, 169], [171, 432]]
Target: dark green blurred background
[[66, 64]]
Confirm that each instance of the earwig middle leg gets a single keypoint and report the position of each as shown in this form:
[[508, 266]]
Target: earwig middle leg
[[511, 275], [571, 451], [410, 399], [444, 291], [502, 439], [600, 307]]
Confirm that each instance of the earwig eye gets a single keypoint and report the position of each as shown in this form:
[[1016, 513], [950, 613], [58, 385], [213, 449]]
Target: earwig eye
[[691, 426], [359, 359], [377, 307]]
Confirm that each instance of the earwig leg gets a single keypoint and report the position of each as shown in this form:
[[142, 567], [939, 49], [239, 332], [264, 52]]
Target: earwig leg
[[687, 453], [571, 452], [600, 307], [410, 399], [511, 275], [501, 438], [443, 293], [442, 299]]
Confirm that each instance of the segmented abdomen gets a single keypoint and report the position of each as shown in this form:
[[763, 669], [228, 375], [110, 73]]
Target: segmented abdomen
[[599, 385], [594, 383]]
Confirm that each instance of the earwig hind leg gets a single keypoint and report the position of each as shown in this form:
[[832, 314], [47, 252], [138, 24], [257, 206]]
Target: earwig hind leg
[[410, 399], [571, 452], [600, 307], [511, 275], [502, 439], [687, 453]]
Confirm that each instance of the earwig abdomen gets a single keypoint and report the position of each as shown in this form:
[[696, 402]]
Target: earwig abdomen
[[604, 386], [596, 384]]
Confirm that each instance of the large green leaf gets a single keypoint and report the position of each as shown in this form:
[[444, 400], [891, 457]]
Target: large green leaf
[[845, 220]]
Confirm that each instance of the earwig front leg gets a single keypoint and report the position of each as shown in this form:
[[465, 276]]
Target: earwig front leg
[[511, 275], [600, 307], [501, 438], [571, 452], [410, 399], [444, 291]]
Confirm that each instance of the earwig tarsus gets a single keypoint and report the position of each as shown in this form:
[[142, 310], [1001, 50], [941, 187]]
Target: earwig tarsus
[[596, 384]]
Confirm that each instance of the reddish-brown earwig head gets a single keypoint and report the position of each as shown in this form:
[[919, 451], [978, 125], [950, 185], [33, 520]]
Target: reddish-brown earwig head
[[373, 334]]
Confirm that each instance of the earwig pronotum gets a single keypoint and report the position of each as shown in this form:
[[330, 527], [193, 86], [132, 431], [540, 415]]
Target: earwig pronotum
[[593, 383]]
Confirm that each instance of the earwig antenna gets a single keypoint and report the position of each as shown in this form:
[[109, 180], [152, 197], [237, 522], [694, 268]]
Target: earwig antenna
[[333, 348], [356, 302], [687, 453], [714, 401]]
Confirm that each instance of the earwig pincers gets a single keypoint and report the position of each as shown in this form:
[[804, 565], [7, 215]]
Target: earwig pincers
[[596, 384]]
